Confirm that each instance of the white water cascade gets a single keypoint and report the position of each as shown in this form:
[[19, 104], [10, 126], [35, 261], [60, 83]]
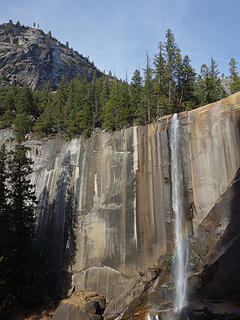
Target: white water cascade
[[181, 243]]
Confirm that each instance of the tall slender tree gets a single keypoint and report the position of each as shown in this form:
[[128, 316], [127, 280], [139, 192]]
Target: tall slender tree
[[170, 57], [124, 116], [109, 111], [185, 85], [235, 85], [5, 230], [136, 98], [217, 91], [148, 89], [22, 201], [160, 81]]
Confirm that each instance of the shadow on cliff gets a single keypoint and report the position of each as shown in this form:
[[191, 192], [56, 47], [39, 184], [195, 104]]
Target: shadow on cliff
[[56, 241], [221, 276]]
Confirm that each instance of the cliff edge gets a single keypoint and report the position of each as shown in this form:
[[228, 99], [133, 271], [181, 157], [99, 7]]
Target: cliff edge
[[29, 56]]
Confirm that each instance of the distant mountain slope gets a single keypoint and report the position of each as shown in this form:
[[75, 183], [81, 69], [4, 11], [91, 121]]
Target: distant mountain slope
[[29, 56]]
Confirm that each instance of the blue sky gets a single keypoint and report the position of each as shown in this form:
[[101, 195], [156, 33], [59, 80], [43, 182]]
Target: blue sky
[[116, 34]]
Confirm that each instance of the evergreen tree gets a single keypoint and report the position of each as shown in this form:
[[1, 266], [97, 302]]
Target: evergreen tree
[[104, 91], [235, 84], [5, 228], [17, 225], [7, 107], [217, 91], [21, 202], [59, 102], [84, 118], [44, 97], [202, 86], [160, 81], [209, 88], [22, 125], [170, 57], [24, 101], [185, 85], [123, 114], [136, 98], [94, 100], [45, 124], [233, 69], [148, 90], [9, 100], [110, 109]]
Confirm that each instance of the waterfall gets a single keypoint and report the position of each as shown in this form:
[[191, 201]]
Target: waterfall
[[181, 245]]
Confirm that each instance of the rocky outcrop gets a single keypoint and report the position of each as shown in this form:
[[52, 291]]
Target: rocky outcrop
[[83, 306], [29, 56], [105, 219]]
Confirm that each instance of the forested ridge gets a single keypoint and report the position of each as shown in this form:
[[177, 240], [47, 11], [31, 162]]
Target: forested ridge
[[166, 85]]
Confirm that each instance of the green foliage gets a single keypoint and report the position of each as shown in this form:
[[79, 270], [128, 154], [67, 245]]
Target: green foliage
[[136, 99], [169, 85], [5, 224], [22, 202], [208, 87], [123, 115], [185, 85], [148, 90], [160, 82], [17, 224], [170, 56], [235, 85], [22, 125], [110, 109]]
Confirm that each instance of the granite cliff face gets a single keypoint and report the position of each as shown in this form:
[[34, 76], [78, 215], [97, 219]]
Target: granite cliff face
[[29, 56], [105, 218]]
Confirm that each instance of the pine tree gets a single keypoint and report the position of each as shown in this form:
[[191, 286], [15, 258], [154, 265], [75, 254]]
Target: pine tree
[[94, 100], [60, 116], [185, 85], [104, 90], [160, 81], [84, 118], [235, 85], [24, 101], [22, 125], [5, 230], [202, 86], [208, 87], [148, 89], [21, 202], [217, 91], [45, 124], [170, 57], [136, 98], [233, 69], [44, 97], [123, 114], [109, 111]]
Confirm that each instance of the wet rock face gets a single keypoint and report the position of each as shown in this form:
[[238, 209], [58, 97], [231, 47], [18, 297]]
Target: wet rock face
[[29, 56], [105, 220], [221, 278]]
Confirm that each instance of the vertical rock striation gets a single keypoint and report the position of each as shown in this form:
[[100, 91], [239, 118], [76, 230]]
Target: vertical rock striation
[[105, 218]]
